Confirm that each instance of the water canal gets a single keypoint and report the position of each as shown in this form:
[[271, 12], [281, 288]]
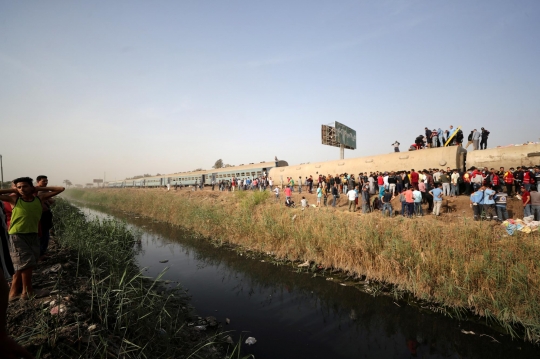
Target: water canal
[[293, 315]]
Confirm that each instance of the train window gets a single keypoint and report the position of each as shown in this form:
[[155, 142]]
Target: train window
[[242, 174], [259, 173], [253, 174], [238, 175]]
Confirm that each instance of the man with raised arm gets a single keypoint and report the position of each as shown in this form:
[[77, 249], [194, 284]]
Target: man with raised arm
[[23, 232]]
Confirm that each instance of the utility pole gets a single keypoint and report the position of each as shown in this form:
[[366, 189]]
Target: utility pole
[[2, 173]]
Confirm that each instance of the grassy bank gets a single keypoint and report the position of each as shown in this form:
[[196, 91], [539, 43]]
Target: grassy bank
[[105, 307], [462, 264]]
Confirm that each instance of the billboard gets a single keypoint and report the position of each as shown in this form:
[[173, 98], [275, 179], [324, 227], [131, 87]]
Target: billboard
[[338, 135], [98, 181], [346, 136]]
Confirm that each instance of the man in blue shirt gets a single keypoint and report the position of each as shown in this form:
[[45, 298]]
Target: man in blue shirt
[[477, 202], [437, 198], [489, 203]]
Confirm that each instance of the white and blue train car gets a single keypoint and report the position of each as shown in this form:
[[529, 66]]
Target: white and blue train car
[[252, 170]]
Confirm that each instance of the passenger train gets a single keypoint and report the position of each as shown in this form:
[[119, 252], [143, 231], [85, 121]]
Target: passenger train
[[453, 157], [197, 177]]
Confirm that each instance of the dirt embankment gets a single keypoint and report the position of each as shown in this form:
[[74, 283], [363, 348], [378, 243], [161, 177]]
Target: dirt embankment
[[452, 207]]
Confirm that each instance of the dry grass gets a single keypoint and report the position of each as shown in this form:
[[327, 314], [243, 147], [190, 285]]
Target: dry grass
[[463, 264]]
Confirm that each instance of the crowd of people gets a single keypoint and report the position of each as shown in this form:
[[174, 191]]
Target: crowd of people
[[376, 190], [451, 137]]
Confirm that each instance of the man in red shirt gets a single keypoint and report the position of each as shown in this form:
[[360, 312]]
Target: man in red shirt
[[508, 179], [414, 179]]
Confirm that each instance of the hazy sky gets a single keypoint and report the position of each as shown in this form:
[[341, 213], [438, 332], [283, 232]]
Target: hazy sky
[[133, 87]]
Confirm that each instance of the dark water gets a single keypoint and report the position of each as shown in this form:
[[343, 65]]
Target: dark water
[[293, 315]]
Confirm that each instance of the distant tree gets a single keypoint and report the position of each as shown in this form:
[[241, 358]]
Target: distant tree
[[67, 183], [197, 169], [218, 164], [158, 174], [227, 165]]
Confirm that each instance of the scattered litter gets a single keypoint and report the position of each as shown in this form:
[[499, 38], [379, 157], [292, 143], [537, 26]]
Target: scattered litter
[[343, 284], [164, 261], [227, 320], [92, 328], [262, 260], [527, 225], [305, 264], [200, 327], [294, 217], [397, 304], [314, 206], [329, 278], [251, 341], [59, 309], [466, 332], [229, 340]]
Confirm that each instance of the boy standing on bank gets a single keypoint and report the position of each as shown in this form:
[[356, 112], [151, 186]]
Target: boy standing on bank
[[23, 232]]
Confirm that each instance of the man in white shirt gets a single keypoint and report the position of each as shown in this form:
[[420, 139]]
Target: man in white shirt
[[276, 191], [454, 184], [271, 184], [351, 195]]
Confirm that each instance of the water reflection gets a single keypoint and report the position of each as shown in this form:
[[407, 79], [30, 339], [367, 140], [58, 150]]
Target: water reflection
[[296, 316]]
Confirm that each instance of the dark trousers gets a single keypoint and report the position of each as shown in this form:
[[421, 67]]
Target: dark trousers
[[489, 211], [477, 211], [509, 189], [44, 241], [429, 199], [483, 144], [410, 209]]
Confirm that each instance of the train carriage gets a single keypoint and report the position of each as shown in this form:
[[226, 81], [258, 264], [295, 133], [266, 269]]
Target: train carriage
[[453, 157]]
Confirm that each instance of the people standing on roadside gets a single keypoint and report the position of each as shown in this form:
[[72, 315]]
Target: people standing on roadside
[[409, 200], [526, 198], [489, 202], [508, 179], [500, 205], [396, 146], [454, 183], [527, 179], [276, 191], [365, 199], [335, 194], [299, 184], [319, 194], [475, 139], [495, 180], [437, 195], [386, 201], [477, 202], [484, 137], [23, 232], [351, 195], [414, 179], [445, 180], [46, 222], [417, 197]]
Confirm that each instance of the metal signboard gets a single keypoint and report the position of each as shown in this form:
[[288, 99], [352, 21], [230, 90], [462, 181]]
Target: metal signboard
[[98, 180], [345, 136]]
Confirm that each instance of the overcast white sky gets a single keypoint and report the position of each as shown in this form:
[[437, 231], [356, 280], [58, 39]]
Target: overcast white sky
[[133, 87]]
